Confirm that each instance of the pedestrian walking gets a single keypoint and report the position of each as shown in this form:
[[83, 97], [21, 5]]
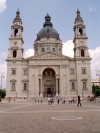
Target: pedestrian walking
[[58, 100], [41, 100], [73, 100], [35, 100], [48, 100], [0, 100], [69, 100], [79, 101]]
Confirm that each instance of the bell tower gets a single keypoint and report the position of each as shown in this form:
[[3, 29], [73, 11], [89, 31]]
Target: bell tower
[[15, 50], [80, 38]]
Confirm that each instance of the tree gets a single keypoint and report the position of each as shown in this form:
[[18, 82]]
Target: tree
[[2, 93], [96, 90]]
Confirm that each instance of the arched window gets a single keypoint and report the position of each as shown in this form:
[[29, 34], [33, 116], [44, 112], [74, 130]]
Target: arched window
[[73, 86], [48, 31], [48, 49], [36, 50], [14, 53], [82, 53], [84, 85], [15, 32], [13, 86], [42, 50], [59, 50], [25, 86], [80, 32], [53, 49]]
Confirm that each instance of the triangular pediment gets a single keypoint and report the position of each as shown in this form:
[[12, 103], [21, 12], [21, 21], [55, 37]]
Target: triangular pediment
[[49, 55], [84, 79], [14, 48]]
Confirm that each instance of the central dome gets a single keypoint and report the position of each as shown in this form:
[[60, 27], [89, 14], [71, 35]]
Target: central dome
[[47, 30]]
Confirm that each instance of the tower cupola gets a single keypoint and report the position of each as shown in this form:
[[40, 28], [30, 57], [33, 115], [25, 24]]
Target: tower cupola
[[17, 18], [78, 17]]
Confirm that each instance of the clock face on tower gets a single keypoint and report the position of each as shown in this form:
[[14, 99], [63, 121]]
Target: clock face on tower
[[81, 43]]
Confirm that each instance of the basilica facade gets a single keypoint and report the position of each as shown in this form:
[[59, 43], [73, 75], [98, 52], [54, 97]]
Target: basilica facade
[[48, 71]]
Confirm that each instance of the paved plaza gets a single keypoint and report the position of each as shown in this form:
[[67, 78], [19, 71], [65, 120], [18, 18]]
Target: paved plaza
[[31, 117]]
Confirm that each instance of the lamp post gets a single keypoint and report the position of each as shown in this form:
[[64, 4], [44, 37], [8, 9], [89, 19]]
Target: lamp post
[[16, 94], [98, 74], [2, 76], [27, 95], [82, 93]]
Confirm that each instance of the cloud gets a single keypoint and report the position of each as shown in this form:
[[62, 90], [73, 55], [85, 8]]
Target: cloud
[[91, 9], [3, 5], [95, 62], [28, 53], [68, 48]]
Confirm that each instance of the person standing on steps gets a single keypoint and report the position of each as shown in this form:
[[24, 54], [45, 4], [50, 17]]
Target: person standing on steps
[[79, 101]]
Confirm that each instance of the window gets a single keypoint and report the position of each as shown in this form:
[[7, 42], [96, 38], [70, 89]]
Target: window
[[48, 49], [53, 49], [59, 50], [36, 50], [73, 86], [13, 72], [83, 70], [15, 32], [13, 86], [14, 53], [25, 87], [25, 71], [82, 53], [48, 30], [84, 85], [72, 71], [42, 50], [80, 32]]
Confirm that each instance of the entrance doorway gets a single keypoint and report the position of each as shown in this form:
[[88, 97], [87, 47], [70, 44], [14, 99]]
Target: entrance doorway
[[49, 82], [49, 91]]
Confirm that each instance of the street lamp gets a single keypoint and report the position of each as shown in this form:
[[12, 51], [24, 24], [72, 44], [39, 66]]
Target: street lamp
[[82, 93], [98, 74], [2, 76], [27, 94], [16, 94]]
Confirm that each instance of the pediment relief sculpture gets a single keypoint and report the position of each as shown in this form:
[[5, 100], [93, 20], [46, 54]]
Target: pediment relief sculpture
[[49, 56]]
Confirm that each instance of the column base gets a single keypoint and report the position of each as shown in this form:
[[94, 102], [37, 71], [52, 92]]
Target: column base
[[41, 95], [56, 94]]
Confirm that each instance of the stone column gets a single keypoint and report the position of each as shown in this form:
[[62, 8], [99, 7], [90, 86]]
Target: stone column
[[41, 90], [56, 87]]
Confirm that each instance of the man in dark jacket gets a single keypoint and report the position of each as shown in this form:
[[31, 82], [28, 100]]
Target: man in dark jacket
[[79, 101]]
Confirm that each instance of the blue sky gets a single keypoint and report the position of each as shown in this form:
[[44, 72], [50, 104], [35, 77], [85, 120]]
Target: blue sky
[[62, 12]]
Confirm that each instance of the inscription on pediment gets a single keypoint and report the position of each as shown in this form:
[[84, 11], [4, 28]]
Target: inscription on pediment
[[48, 56]]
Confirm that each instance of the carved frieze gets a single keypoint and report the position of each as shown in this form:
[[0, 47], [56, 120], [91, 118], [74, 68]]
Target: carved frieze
[[49, 55]]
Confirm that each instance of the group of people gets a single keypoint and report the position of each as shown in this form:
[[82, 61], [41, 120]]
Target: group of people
[[38, 101], [71, 100], [51, 101]]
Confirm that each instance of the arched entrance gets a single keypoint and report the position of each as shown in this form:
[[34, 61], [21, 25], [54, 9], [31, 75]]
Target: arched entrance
[[49, 82]]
